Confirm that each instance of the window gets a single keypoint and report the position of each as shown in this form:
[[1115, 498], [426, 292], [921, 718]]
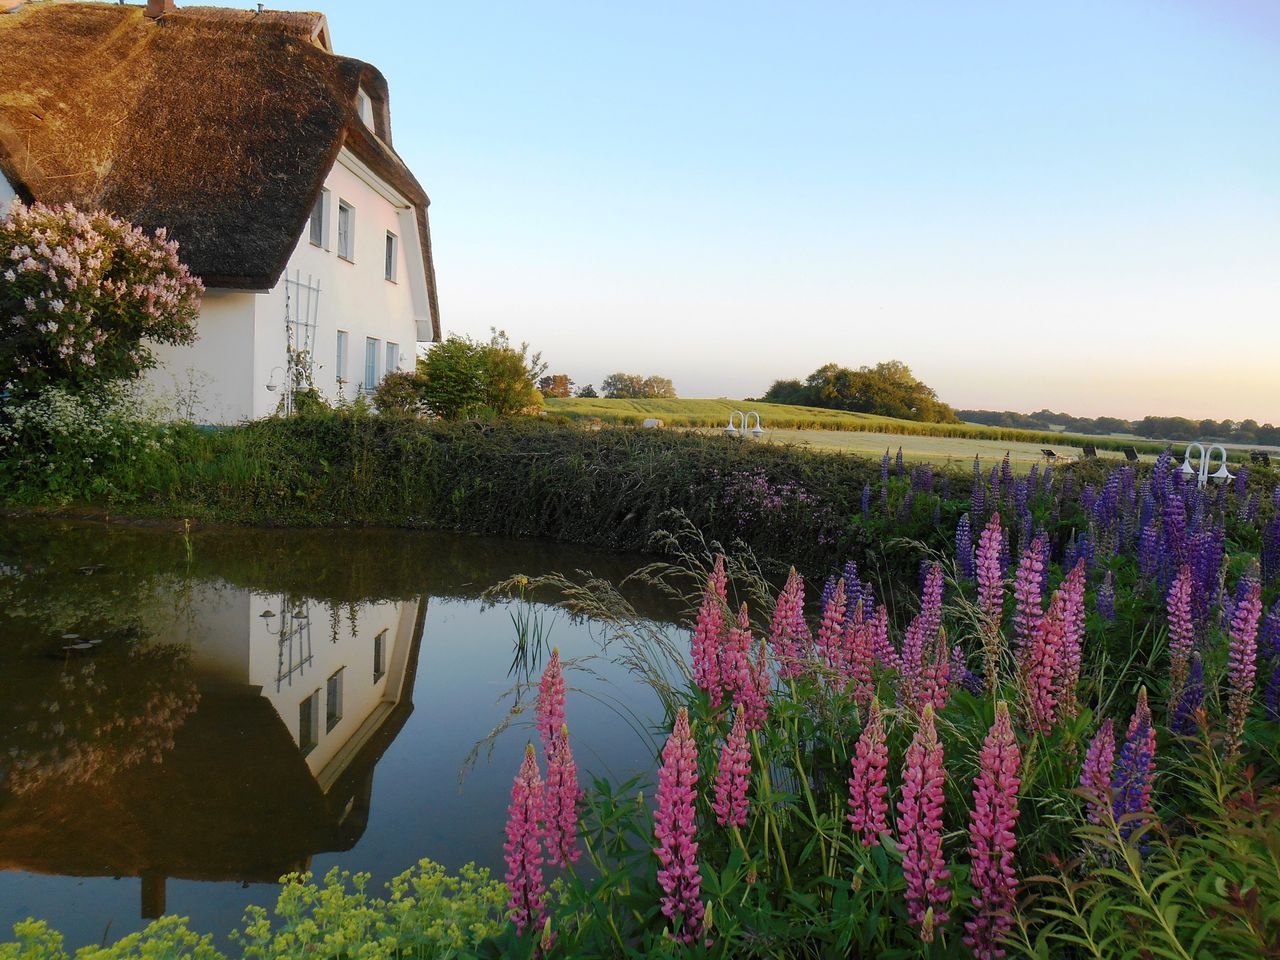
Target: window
[[319, 216], [390, 272], [393, 357], [370, 364], [365, 108], [333, 701], [379, 656], [346, 231], [341, 362], [309, 723]]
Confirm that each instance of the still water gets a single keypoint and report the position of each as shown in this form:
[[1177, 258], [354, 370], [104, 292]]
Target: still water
[[183, 719]]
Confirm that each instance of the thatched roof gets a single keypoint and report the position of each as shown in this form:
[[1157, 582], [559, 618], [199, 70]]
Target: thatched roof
[[217, 124]]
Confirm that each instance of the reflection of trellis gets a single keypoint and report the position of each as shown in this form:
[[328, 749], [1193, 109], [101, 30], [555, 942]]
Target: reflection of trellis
[[295, 643], [301, 309]]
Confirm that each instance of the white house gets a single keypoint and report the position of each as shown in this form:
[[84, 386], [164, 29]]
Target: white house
[[265, 155]]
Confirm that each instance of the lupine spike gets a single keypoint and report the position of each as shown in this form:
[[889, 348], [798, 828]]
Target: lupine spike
[[733, 776], [1181, 632], [523, 847], [991, 596], [675, 829], [868, 808], [560, 802], [549, 709], [1135, 772], [920, 830], [991, 839], [709, 633], [1095, 776], [1242, 664]]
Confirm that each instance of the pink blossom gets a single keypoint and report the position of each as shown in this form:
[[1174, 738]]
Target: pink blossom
[[881, 646], [549, 709], [1039, 667], [991, 839], [831, 630], [753, 696], [675, 829], [1095, 776], [524, 848], [1182, 632], [560, 802], [991, 597], [1067, 668], [868, 808], [1028, 588], [788, 633], [859, 658], [708, 633], [1242, 664], [733, 776], [920, 830]]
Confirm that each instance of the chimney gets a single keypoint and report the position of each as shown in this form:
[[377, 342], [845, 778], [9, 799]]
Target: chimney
[[158, 8]]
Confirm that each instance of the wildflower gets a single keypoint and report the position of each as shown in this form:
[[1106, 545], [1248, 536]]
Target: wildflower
[[867, 791], [920, 829], [1095, 776], [733, 775], [1191, 700], [1028, 591], [991, 593], [991, 839], [881, 646], [1181, 631], [1039, 666], [708, 633], [560, 802], [1067, 667], [753, 695], [675, 830], [859, 657], [831, 629], [1135, 772], [549, 709], [523, 847], [964, 547], [1242, 664], [788, 633], [1106, 597]]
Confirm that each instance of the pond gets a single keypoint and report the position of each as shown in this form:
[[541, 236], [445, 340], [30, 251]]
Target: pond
[[185, 717]]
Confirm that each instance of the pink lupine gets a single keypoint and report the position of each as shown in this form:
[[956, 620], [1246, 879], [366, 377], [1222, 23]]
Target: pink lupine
[[524, 847], [754, 695], [1039, 667], [675, 828], [991, 597], [920, 830], [931, 599], [708, 633], [1067, 669], [549, 710], [831, 630], [859, 658], [736, 679], [733, 776], [868, 808], [991, 839], [1095, 775], [1182, 632], [881, 646], [926, 658], [788, 633], [560, 802], [1242, 664], [1028, 591]]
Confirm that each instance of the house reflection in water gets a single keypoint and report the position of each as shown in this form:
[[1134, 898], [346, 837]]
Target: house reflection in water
[[290, 705]]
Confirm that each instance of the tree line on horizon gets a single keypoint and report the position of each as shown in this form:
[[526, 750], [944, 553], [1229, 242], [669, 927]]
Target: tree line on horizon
[[1153, 427], [888, 389]]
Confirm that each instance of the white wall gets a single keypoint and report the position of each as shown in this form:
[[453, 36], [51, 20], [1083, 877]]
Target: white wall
[[355, 295], [7, 193]]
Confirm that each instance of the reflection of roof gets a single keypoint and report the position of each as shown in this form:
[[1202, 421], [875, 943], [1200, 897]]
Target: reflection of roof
[[233, 800]]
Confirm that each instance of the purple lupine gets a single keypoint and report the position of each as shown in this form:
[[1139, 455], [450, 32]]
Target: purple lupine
[[1190, 700], [881, 646], [884, 467], [1027, 593], [1271, 695], [964, 548], [675, 827], [992, 842], [978, 496], [991, 596], [1135, 772], [1149, 551], [1095, 775], [899, 468], [523, 847], [868, 808], [1105, 600], [733, 775], [1182, 632], [1270, 554], [961, 674], [920, 830], [866, 501], [1242, 664], [1067, 667]]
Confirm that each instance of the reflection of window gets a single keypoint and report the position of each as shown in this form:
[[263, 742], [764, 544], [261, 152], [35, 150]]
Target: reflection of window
[[333, 701], [379, 656], [309, 723]]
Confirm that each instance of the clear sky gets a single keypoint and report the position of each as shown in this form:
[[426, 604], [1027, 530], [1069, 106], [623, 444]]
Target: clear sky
[[1065, 205]]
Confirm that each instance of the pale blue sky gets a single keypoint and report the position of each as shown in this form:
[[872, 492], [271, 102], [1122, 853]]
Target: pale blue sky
[[1032, 204]]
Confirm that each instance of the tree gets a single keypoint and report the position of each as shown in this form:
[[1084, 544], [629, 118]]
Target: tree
[[632, 386], [85, 295], [888, 389], [556, 385], [453, 377], [588, 392], [510, 376]]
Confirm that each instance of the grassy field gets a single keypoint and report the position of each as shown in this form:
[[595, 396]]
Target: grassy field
[[823, 429]]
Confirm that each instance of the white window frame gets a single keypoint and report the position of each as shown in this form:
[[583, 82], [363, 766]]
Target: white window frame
[[380, 656], [391, 257], [333, 700], [347, 232], [309, 723], [364, 107], [372, 355], [320, 213], [341, 359], [392, 358]]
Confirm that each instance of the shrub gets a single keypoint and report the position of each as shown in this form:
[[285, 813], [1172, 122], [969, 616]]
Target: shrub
[[509, 376], [85, 294], [631, 386], [401, 392]]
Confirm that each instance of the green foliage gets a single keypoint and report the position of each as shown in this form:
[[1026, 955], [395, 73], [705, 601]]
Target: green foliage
[[401, 392], [588, 392], [557, 385], [632, 386], [461, 377], [510, 375], [888, 389], [84, 294]]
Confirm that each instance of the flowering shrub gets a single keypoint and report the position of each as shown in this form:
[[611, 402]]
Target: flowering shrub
[[82, 293], [57, 445]]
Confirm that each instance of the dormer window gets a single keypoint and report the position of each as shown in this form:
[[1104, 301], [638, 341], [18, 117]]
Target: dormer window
[[364, 106]]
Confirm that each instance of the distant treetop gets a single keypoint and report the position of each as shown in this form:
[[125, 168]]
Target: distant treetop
[[888, 389]]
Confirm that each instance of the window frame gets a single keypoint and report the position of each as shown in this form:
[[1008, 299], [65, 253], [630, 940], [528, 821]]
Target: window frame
[[372, 351], [347, 250], [391, 258], [391, 357], [342, 356], [309, 723], [320, 215], [332, 716], [380, 655]]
